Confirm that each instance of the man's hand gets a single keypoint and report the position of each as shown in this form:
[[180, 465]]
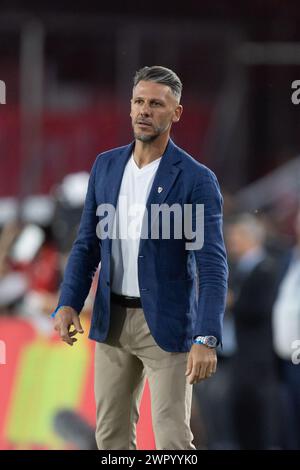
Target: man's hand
[[201, 364], [64, 319]]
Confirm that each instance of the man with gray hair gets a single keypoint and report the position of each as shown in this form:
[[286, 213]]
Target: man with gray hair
[[159, 306]]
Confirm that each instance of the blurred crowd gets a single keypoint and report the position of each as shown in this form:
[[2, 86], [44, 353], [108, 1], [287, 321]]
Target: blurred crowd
[[253, 402]]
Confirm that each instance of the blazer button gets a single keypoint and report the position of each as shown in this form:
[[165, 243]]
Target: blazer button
[[107, 283]]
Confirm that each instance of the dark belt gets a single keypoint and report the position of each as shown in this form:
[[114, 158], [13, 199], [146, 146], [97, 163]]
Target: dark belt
[[126, 301]]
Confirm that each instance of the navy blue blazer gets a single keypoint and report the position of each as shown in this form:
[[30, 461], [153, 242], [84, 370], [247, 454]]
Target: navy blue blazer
[[183, 292]]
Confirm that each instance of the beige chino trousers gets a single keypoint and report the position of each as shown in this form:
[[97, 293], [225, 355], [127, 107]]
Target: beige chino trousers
[[122, 364]]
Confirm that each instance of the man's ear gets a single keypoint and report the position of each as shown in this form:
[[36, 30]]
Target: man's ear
[[130, 108], [177, 113]]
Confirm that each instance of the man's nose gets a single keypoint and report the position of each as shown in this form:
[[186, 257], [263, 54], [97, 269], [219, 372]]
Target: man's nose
[[145, 110]]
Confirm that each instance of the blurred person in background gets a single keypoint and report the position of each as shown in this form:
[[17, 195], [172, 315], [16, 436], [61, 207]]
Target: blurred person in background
[[286, 334], [213, 396], [276, 243], [146, 286], [256, 409], [13, 284]]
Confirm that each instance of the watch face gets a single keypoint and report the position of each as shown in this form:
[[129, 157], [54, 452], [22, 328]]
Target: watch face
[[211, 341]]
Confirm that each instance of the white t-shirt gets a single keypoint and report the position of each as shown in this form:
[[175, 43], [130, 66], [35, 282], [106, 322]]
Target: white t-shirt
[[134, 191]]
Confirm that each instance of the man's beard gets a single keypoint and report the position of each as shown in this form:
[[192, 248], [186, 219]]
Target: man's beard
[[145, 137], [149, 138]]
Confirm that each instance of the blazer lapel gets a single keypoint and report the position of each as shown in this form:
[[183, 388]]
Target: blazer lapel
[[115, 173], [113, 182]]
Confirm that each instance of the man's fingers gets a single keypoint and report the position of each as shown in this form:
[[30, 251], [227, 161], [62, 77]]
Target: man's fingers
[[77, 324], [203, 371], [211, 369], [64, 330], [65, 335], [69, 340], [194, 375], [65, 320], [73, 333], [202, 364], [189, 365]]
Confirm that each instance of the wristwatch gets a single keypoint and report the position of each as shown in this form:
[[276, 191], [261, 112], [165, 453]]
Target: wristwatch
[[209, 341]]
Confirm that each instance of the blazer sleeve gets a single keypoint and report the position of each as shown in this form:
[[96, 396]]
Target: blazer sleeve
[[85, 254], [211, 258]]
